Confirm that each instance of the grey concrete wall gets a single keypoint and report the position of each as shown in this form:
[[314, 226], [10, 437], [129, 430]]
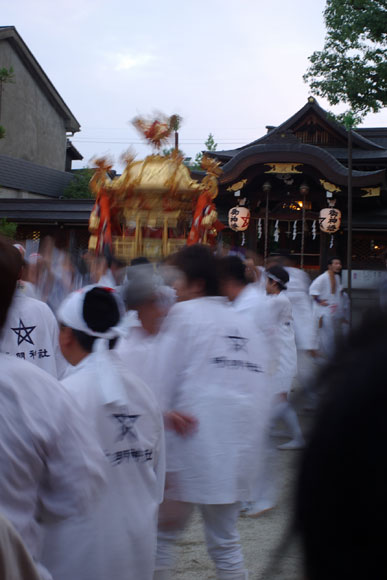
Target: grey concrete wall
[[8, 193], [34, 129]]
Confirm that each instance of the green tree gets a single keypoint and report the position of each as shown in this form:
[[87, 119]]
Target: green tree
[[78, 188], [210, 146], [352, 67], [7, 229], [167, 151]]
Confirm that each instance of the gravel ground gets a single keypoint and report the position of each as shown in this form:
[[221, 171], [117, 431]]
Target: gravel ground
[[260, 537]]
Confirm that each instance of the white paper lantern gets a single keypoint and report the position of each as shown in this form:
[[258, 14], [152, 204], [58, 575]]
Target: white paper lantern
[[330, 220], [239, 218]]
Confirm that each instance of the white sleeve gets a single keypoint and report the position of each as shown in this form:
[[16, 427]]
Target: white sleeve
[[316, 287]]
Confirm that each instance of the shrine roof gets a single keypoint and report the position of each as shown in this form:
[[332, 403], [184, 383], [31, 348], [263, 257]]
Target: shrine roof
[[300, 153], [368, 143]]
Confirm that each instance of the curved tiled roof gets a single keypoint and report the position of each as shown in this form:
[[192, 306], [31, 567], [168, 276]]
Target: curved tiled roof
[[329, 166]]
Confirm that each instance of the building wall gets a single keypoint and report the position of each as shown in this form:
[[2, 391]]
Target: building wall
[[8, 193], [34, 129]]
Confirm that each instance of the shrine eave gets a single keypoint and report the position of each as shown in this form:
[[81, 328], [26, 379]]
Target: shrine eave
[[318, 158]]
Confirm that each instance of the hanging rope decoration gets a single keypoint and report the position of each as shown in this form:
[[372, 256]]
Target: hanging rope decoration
[[314, 231], [259, 228], [243, 239], [276, 231], [331, 242], [294, 230]]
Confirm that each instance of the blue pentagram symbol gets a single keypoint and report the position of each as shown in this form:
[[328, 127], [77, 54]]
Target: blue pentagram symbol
[[126, 425], [23, 333], [237, 342]]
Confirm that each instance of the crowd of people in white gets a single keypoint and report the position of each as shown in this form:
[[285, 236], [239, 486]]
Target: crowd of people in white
[[130, 395]]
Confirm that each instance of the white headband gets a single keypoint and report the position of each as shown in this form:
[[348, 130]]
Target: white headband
[[70, 313], [276, 279]]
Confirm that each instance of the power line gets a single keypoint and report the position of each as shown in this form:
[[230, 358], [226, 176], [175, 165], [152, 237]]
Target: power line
[[129, 142]]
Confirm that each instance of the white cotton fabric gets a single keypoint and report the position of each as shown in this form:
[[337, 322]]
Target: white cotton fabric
[[70, 313], [51, 467], [31, 332], [209, 362], [327, 318], [298, 294], [283, 340], [136, 346], [117, 538]]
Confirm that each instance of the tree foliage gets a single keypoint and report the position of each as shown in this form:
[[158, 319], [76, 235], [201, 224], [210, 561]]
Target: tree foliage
[[78, 188], [7, 229], [352, 67], [210, 146]]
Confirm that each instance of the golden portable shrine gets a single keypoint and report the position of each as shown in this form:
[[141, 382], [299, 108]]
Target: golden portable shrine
[[155, 207]]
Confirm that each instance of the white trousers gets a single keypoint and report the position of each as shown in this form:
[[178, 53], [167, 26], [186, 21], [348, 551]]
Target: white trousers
[[221, 534]]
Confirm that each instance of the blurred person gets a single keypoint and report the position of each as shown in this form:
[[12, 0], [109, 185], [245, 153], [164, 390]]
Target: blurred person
[[52, 273], [118, 539], [118, 271], [304, 327], [286, 354], [255, 272], [244, 295], [31, 331], [340, 501], [246, 299], [50, 466], [99, 270], [326, 291], [209, 376], [147, 301], [23, 284]]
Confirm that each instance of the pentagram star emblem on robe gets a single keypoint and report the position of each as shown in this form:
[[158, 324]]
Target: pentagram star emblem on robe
[[126, 425], [237, 342], [23, 333]]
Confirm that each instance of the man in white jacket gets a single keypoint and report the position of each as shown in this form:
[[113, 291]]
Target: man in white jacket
[[326, 291], [210, 379], [118, 538], [51, 467]]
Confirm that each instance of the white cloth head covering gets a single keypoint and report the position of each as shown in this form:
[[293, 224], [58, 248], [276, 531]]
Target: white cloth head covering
[[70, 313]]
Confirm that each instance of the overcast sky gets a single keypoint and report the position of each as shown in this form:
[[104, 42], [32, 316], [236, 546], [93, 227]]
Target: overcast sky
[[229, 67]]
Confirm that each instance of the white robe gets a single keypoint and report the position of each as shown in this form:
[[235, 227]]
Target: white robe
[[210, 363], [50, 466], [31, 333], [117, 539], [135, 345], [327, 318], [298, 294], [285, 352]]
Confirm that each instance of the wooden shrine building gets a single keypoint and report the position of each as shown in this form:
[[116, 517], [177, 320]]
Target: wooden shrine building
[[286, 176]]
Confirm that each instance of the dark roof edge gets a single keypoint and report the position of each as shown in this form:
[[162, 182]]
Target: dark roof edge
[[313, 105], [329, 166], [10, 33]]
